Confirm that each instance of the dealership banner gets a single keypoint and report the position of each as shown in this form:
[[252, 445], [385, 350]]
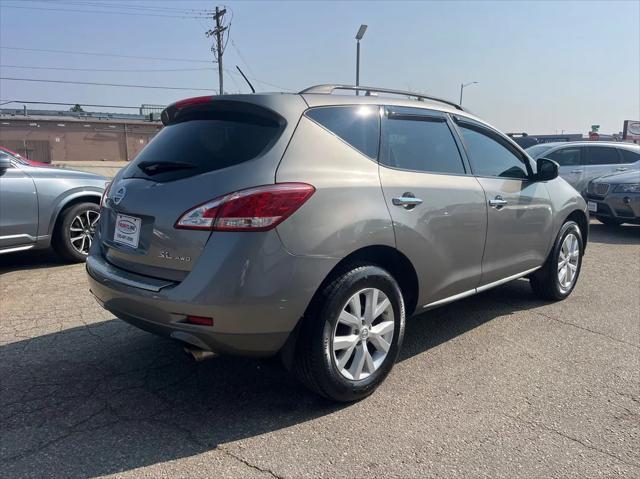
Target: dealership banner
[[631, 130]]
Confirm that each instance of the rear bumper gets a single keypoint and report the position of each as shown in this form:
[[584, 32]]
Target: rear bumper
[[624, 207], [254, 290]]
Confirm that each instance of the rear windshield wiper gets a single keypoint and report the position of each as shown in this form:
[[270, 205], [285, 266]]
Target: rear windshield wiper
[[153, 167]]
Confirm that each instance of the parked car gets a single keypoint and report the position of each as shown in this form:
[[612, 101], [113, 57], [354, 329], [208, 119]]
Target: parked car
[[310, 225], [582, 161], [615, 199], [42, 207], [21, 159]]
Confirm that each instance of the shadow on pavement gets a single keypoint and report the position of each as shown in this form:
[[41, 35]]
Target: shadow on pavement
[[29, 260], [623, 234], [107, 397]]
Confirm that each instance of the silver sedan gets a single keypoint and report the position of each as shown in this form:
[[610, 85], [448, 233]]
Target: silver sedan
[[42, 207]]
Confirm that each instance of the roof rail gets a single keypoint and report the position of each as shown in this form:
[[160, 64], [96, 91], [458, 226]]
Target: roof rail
[[329, 88]]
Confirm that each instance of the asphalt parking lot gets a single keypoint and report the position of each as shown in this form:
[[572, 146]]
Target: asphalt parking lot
[[497, 385]]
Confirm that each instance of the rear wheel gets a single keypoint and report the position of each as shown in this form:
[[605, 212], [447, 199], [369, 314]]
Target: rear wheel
[[74, 234], [605, 220], [352, 334], [559, 275]]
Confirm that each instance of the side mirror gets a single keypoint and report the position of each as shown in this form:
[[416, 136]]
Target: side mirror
[[547, 169], [5, 163]]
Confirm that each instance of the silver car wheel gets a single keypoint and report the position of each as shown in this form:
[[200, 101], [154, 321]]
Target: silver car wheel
[[568, 262], [82, 229], [363, 334]]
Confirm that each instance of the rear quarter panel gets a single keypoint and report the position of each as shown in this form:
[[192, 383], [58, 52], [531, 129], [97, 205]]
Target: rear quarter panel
[[347, 211]]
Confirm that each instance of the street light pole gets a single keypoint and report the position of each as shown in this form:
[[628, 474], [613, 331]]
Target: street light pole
[[357, 64], [462, 87], [359, 35]]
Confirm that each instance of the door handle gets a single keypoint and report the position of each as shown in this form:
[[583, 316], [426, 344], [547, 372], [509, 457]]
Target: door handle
[[576, 171], [621, 168], [498, 202], [406, 201]]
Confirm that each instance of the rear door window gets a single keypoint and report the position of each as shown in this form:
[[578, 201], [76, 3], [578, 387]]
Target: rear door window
[[629, 156], [357, 125], [206, 141], [419, 142], [565, 156], [602, 155]]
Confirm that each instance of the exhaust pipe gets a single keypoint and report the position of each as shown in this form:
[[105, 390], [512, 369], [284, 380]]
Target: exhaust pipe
[[199, 355]]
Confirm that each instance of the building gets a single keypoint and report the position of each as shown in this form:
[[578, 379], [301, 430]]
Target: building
[[63, 136]]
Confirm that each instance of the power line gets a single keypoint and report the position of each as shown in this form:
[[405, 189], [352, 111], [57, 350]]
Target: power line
[[106, 69], [5, 102], [107, 12], [106, 55], [107, 84], [125, 6], [235, 47]]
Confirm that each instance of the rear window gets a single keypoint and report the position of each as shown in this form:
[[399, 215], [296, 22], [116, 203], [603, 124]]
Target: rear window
[[205, 141]]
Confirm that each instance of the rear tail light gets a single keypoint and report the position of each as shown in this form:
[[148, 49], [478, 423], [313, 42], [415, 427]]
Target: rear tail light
[[255, 209], [107, 186]]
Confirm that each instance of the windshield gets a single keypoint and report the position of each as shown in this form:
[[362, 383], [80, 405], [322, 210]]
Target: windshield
[[536, 151]]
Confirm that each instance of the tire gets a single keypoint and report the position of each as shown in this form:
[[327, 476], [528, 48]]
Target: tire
[[605, 220], [546, 282], [77, 217], [316, 362]]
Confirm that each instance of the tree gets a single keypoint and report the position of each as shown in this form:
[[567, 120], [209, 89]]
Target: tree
[[76, 108]]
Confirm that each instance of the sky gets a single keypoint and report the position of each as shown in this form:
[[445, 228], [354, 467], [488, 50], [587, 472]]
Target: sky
[[541, 67]]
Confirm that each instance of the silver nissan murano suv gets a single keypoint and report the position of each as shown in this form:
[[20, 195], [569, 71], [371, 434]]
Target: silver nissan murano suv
[[311, 225]]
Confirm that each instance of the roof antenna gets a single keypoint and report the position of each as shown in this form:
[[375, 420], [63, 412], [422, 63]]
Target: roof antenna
[[246, 79]]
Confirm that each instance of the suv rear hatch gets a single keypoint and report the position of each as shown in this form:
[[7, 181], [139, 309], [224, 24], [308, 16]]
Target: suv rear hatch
[[209, 147]]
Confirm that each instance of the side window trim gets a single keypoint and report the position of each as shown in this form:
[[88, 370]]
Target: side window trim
[[428, 116], [462, 148], [497, 137]]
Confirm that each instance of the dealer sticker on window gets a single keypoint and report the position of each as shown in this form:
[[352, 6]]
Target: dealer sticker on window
[[127, 230]]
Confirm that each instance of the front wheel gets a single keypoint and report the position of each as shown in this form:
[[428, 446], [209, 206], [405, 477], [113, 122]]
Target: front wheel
[[352, 334], [74, 233], [558, 276]]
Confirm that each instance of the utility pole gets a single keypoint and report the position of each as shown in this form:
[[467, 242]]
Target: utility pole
[[218, 48]]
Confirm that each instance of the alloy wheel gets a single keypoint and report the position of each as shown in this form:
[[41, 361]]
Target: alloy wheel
[[363, 334], [568, 262], [82, 229]]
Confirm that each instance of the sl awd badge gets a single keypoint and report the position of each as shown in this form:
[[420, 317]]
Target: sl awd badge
[[167, 255]]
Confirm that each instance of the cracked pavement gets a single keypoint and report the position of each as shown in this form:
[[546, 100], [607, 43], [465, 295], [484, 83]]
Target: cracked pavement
[[497, 385]]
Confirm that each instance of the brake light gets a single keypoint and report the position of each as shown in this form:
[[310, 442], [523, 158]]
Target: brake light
[[255, 209], [103, 199], [198, 100]]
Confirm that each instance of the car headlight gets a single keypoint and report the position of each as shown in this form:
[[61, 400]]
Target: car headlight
[[627, 188]]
